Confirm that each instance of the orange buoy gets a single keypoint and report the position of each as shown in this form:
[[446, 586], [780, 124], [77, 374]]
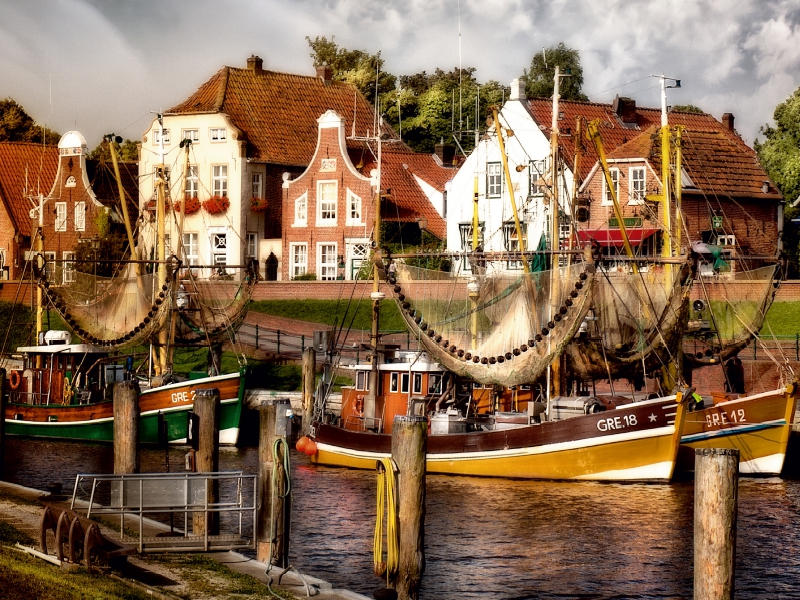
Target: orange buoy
[[311, 448], [301, 444]]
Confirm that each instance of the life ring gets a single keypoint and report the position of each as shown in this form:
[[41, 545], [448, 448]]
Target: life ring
[[14, 379], [359, 404]]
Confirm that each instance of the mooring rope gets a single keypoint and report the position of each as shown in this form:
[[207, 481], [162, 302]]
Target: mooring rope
[[386, 482]]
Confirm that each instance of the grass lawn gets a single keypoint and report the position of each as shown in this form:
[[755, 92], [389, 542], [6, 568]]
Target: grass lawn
[[783, 318], [333, 312]]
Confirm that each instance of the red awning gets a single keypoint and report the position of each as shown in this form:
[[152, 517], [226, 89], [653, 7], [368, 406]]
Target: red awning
[[613, 237]]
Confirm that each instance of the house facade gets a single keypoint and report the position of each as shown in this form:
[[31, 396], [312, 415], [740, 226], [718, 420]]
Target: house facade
[[247, 127], [329, 209]]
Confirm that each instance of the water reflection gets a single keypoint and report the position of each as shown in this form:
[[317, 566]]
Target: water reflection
[[496, 538]]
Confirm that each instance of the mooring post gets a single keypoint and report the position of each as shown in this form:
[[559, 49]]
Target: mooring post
[[266, 440], [409, 448], [716, 487], [126, 427], [2, 424], [207, 409], [309, 374]]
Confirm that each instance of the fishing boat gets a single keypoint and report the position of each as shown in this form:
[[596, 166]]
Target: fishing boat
[[64, 390]]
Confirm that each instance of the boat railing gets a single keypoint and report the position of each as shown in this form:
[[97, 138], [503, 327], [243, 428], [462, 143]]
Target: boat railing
[[360, 423], [159, 511]]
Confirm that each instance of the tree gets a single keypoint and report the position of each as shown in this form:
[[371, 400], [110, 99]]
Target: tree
[[779, 155], [17, 126], [128, 150], [543, 67], [687, 108]]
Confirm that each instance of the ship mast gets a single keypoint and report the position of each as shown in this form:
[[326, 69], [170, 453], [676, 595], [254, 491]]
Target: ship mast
[[161, 279]]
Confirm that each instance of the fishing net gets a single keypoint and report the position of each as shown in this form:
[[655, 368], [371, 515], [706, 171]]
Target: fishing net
[[635, 323], [496, 324]]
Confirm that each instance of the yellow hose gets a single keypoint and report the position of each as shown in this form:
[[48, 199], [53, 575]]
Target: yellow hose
[[386, 481]]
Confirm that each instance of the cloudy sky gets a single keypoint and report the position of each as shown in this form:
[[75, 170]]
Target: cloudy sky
[[103, 65]]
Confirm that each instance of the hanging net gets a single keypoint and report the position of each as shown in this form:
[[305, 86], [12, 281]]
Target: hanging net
[[635, 323], [735, 305], [495, 325]]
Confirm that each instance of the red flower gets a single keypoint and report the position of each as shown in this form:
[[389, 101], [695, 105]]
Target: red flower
[[191, 205], [258, 204], [216, 205]]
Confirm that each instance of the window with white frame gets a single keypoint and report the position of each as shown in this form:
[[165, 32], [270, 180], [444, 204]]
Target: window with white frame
[[465, 231], [298, 254], [404, 383], [219, 180], [301, 211], [614, 174], [61, 216], [218, 134], [434, 383], [358, 253], [157, 176], [258, 185], [157, 136], [193, 135], [191, 248], [192, 186], [50, 265], [538, 177], [68, 268], [252, 245], [511, 242], [417, 388], [326, 259], [637, 185], [353, 209], [494, 180], [80, 216], [326, 202], [394, 381], [219, 248]]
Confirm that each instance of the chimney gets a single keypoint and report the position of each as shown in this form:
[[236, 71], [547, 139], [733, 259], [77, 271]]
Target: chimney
[[325, 73], [727, 121], [625, 109], [518, 90], [254, 63], [445, 152]]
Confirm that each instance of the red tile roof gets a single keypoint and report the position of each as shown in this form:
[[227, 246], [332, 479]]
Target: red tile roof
[[407, 201], [25, 169], [278, 112], [613, 131], [717, 164]]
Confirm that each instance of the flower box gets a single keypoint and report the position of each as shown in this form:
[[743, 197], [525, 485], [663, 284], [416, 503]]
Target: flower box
[[258, 204], [216, 205], [190, 206]]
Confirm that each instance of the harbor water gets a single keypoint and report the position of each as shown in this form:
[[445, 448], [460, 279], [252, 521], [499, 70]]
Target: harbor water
[[494, 538]]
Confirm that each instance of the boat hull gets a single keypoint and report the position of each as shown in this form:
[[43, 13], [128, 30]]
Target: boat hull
[[637, 442], [95, 422], [758, 426]]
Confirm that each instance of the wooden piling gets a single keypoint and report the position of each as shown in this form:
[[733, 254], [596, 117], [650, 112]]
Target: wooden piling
[[126, 427], [207, 409], [409, 448], [266, 438], [309, 375], [2, 424], [716, 483]]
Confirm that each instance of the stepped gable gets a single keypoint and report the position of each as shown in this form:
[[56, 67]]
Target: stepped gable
[[406, 199], [616, 127], [717, 164], [277, 112], [25, 169]]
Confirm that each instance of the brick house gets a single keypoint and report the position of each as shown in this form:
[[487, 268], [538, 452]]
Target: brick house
[[26, 170], [248, 127], [727, 198], [79, 189], [329, 209]]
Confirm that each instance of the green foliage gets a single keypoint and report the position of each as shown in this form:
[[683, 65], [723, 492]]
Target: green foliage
[[540, 75], [17, 126], [332, 312], [110, 247], [779, 155], [127, 151], [15, 322], [686, 108], [103, 224], [305, 277]]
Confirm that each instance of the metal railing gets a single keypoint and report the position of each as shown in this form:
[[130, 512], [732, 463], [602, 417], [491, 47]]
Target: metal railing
[[147, 497]]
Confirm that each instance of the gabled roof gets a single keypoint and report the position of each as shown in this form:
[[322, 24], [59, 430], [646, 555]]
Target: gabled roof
[[715, 162], [613, 131], [277, 112], [25, 170], [104, 183], [407, 201]]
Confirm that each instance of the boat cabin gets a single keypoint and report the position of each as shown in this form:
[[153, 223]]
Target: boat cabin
[[58, 372]]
